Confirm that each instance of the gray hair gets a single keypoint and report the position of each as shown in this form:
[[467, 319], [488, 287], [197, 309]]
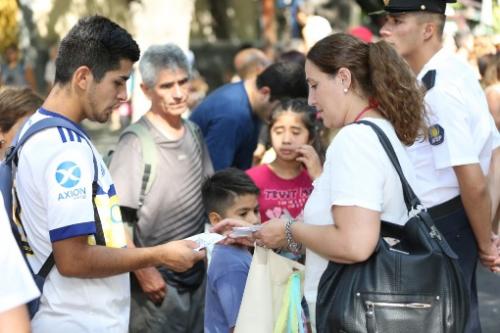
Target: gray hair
[[159, 57]]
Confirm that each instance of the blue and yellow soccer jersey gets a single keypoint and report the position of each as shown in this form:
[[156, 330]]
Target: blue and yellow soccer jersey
[[54, 186]]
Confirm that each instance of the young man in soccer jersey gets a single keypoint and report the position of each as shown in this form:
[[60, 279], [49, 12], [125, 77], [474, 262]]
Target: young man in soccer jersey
[[88, 289], [453, 161]]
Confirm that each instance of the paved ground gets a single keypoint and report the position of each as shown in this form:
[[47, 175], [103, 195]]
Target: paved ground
[[488, 283]]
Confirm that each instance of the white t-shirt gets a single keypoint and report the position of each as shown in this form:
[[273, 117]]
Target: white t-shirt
[[54, 186], [462, 129], [357, 172], [16, 283]]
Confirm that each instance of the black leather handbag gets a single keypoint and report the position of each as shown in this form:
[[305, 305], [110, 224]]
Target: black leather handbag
[[413, 286]]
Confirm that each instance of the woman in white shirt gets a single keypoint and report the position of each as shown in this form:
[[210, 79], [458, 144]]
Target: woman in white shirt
[[350, 80]]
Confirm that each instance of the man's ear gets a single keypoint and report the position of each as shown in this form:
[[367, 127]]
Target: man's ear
[[429, 30], [145, 90], [82, 77], [214, 218], [266, 91]]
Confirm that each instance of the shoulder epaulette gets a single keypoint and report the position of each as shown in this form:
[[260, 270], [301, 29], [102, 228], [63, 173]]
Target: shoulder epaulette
[[429, 79]]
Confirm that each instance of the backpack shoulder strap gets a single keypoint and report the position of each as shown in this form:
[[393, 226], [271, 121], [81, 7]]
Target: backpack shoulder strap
[[54, 122], [41, 125], [196, 132], [149, 156], [20, 140]]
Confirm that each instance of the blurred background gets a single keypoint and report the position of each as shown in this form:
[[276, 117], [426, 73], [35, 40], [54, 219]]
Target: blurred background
[[211, 32]]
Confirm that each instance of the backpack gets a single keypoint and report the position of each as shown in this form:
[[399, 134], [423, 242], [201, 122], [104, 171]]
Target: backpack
[[8, 169], [149, 152]]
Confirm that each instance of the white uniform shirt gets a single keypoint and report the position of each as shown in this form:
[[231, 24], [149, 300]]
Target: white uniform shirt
[[462, 129], [54, 186], [16, 283], [357, 172]]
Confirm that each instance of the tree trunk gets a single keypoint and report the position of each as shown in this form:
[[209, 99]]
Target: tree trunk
[[158, 22], [269, 26]]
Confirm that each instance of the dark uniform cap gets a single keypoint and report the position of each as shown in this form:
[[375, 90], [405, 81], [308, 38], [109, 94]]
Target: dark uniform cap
[[401, 6]]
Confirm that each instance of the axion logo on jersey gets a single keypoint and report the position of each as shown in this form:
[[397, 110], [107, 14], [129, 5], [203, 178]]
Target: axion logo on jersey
[[68, 174]]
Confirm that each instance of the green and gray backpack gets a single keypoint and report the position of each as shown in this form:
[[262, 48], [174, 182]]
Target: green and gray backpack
[[150, 153]]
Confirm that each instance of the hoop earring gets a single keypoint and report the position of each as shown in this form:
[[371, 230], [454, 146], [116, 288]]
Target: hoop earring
[[2, 142]]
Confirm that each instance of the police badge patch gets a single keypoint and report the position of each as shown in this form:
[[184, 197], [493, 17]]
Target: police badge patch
[[436, 135]]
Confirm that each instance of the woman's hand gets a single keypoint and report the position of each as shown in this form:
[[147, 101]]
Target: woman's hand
[[225, 227], [310, 159], [272, 234]]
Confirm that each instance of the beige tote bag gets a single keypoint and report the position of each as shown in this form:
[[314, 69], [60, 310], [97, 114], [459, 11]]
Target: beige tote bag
[[264, 290]]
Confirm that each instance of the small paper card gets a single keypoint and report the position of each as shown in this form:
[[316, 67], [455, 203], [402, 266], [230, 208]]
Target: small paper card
[[206, 239], [245, 231]]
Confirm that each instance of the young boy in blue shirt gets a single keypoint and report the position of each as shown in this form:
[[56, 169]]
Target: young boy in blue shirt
[[228, 193]]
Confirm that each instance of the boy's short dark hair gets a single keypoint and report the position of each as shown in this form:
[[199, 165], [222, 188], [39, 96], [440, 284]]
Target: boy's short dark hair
[[220, 190], [285, 79], [95, 42]]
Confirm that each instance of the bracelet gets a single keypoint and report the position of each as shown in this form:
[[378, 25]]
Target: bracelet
[[292, 245]]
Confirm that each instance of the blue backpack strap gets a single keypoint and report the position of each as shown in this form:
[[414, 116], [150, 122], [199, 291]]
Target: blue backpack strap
[[41, 125], [18, 142], [11, 158]]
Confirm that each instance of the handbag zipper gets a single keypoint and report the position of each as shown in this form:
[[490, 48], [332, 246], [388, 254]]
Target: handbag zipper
[[371, 305]]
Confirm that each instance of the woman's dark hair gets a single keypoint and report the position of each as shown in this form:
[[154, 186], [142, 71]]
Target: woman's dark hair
[[95, 42], [16, 103], [378, 73], [307, 115]]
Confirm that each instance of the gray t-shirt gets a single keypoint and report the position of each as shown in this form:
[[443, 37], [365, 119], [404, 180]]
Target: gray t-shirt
[[173, 207]]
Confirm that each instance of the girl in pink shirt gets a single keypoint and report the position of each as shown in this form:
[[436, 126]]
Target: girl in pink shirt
[[285, 183]]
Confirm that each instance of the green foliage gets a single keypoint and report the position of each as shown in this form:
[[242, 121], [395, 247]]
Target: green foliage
[[496, 18], [8, 24]]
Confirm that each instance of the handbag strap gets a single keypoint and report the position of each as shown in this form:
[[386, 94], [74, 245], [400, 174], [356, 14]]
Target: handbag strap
[[411, 199]]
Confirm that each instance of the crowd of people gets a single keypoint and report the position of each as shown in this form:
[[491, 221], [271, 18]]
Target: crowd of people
[[111, 233]]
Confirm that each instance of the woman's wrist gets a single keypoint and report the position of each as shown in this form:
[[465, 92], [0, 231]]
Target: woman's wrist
[[292, 245]]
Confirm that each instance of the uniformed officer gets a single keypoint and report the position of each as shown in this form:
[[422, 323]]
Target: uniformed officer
[[451, 163]]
